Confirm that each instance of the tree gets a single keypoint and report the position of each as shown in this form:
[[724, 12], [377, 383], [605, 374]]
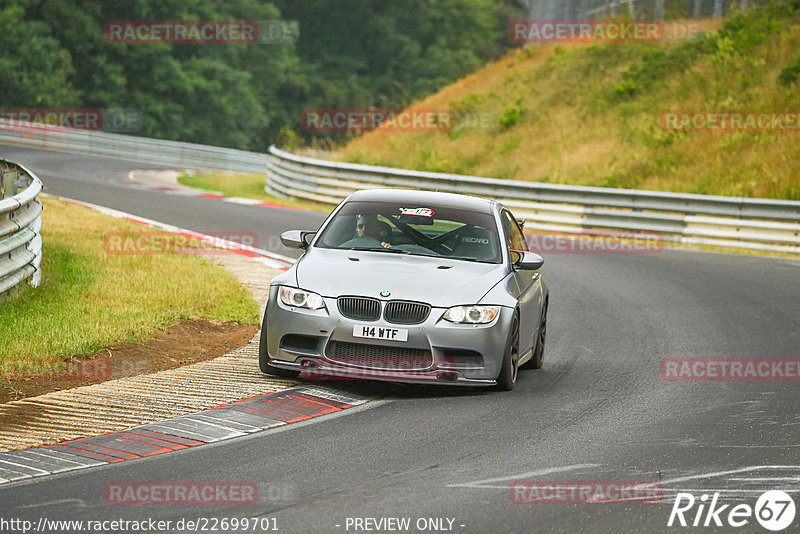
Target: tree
[[351, 54], [36, 70], [696, 10], [659, 10], [584, 8]]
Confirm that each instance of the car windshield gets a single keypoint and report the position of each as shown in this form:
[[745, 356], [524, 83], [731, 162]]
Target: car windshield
[[423, 230]]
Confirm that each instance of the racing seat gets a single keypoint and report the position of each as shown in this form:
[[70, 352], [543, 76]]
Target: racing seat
[[475, 242], [384, 232]]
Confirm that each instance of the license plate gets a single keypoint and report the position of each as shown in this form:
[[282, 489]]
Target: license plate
[[380, 332]]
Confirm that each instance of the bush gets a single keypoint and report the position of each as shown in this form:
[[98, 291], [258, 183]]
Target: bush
[[511, 115], [790, 73]]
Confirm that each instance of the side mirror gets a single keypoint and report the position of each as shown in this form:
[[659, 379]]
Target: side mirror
[[297, 238], [527, 261], [521, 223]]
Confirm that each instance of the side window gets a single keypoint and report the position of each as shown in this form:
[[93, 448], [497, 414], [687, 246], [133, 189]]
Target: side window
[[514, 236]]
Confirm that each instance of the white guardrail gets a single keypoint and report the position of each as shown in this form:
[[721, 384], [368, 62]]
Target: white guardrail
[[20, 226], [158, 151], [760, 224]]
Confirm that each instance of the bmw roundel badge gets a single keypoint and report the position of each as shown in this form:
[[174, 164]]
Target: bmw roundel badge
[[385, 293]]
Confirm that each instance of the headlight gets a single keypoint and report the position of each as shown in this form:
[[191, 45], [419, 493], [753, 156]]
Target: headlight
[[291, 296], [471, 314]]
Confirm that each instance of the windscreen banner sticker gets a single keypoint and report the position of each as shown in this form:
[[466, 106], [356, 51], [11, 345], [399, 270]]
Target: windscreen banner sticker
[[419, 212]]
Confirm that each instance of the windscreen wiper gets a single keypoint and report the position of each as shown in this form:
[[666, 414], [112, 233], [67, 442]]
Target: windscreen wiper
[[382, 249], [399, 251], [466, 258]]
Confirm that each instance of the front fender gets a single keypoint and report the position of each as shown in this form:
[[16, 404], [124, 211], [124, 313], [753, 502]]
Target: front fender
[[504, 293]]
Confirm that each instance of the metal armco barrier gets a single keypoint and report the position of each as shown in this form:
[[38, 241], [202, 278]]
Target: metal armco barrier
[[20, 226], [95, 143], [760, 224]]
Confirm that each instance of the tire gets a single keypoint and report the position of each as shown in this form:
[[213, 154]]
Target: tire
[[537, 360], [263, 357], [508, 371]]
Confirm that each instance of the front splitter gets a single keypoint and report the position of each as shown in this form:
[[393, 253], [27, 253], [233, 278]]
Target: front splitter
[[311, 369]]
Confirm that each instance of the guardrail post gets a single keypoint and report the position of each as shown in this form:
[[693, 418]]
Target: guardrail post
[[5, 184], [21, 182], [10, 177]]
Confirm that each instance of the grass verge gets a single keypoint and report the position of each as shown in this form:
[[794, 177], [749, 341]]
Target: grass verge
[[592, 114], [92, 297], [247, 185]]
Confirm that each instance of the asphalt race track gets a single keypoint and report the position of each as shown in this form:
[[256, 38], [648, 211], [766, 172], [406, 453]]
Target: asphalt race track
[[598, 411], [105, 182]]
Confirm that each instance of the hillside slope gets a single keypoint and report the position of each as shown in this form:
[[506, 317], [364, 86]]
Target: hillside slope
[[592, 114]]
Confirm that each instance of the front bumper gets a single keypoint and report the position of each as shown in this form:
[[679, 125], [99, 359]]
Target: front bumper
[[316, 368], [455, 354]]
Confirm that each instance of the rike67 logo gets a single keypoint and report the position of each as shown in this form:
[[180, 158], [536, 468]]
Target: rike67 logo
[[774, 510]]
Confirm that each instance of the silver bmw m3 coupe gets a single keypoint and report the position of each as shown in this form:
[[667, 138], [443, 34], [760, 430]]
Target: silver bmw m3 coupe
[[409, 286]]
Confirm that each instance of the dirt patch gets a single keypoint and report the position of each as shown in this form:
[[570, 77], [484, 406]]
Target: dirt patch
[[182, 344]]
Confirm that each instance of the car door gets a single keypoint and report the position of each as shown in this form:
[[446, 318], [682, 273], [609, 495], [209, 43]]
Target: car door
[[530, 294]]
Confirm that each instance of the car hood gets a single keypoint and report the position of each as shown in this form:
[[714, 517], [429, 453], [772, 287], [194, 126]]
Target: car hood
[[438, 281]]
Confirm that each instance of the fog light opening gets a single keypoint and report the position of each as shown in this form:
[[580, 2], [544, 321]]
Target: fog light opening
[[446, 375]]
